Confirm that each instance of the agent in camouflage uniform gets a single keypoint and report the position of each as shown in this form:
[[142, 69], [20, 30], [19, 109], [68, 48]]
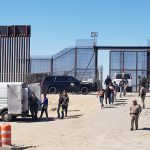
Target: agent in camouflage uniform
[[135, 111]]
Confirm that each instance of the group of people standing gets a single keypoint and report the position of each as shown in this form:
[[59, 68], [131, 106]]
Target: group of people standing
[[34, 106], [136, 109], [61, 109], [63, 105], [111, 90]]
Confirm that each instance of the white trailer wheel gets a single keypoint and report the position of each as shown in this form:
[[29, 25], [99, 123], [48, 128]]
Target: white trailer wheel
[[7, 117]]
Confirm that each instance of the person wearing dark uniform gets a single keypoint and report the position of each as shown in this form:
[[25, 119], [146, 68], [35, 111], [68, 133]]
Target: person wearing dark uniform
[[60, 102], [44, 107], [107, 95], [139, 84], [33, 101], [108, 81], [142, 95], [65, 102], [135, 111]]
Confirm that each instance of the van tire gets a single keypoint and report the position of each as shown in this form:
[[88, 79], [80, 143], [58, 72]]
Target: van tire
[[6, 117], [52, 90], [84, 90]]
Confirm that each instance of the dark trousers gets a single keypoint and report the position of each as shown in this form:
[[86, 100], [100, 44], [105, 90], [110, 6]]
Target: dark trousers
[[65, 109], [101, 98], [109, 100], [44, 109], [34, 112]]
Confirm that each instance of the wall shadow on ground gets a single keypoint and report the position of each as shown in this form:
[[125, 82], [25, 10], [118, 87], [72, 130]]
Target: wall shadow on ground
[[29, 120]]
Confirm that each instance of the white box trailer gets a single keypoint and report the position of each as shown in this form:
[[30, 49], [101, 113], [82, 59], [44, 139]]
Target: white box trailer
[[14, 99]]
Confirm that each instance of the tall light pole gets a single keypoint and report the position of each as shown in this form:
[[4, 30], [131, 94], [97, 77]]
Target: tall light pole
[[94, 35]]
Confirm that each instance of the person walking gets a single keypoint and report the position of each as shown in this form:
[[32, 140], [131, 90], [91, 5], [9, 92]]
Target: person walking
[[107, 95], [139, 84], [135, 111], [44, 107], [115, 85], [108, 81], [125, 85], [59, 108], [33, 103], [122, 87], [143, 94], [111, 93], [65, 102], [100, 94]]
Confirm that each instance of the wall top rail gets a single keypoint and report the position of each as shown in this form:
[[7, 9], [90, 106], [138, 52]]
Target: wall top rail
[[13, 31]]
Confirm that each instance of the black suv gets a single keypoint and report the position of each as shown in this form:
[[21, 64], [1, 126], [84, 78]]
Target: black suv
[[54, 84]]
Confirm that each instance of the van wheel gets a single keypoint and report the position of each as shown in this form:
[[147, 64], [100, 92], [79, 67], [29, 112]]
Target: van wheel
[[52, 90], [84, 90], [7, 117]]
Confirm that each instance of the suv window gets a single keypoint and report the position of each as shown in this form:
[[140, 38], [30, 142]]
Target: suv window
[[70, 79], [48, 79], [60, 79], [119, 76], [126, 76]]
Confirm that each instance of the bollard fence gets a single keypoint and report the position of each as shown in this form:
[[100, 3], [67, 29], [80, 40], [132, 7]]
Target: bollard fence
[[6, 134]]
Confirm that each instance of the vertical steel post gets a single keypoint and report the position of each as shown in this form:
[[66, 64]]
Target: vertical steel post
[[75, 62], [96, 63], [52, 61]]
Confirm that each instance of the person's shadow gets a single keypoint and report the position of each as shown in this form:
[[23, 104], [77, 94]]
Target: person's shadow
[[146, 129]]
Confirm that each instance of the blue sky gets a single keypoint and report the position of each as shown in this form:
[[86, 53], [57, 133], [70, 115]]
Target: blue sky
[[56, 24]]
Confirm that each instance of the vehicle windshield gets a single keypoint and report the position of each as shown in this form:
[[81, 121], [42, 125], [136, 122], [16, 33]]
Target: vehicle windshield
[[119, 76]]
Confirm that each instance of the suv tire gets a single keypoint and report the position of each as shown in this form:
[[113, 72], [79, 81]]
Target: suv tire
[[52, 90], [84, 90], [7, 117]]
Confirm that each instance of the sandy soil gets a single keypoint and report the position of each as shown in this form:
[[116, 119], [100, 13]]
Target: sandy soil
[[87, 127]]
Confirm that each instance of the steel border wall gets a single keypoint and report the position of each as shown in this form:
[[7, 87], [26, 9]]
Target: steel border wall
[[14, 53]]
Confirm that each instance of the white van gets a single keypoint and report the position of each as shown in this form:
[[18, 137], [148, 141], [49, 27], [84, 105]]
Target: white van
[[14, 99], [118, 76]]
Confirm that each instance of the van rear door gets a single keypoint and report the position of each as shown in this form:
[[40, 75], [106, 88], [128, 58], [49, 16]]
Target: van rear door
[[14, 98]]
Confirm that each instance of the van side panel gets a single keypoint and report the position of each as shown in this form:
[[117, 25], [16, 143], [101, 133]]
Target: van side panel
[[3, 97]]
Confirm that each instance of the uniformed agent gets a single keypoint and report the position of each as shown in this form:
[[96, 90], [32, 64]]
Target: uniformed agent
[[33, 101], [135, 111]]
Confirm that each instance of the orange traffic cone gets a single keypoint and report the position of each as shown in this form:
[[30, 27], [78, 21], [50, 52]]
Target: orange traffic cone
[[6, 134], [0, 138]]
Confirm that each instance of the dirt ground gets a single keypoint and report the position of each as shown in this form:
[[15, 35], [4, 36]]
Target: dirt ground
[[87, 127]]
